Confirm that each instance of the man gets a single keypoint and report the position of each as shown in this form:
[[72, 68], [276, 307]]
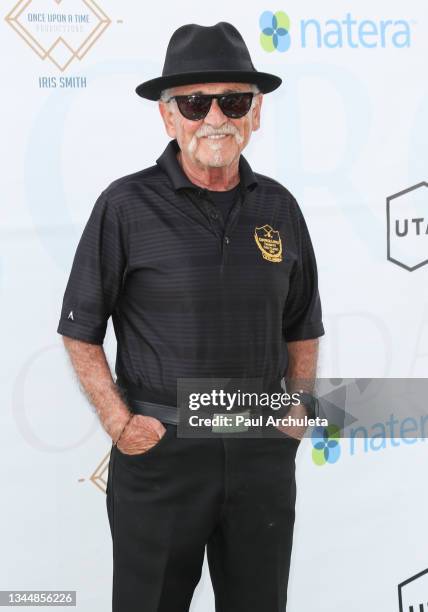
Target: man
[[207, 270]]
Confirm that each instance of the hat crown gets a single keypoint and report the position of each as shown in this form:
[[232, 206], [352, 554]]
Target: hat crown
[[206, 54], [193, 47]]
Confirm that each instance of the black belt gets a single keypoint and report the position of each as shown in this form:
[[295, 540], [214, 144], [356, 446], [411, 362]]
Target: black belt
[[140, 401], [162, 412]]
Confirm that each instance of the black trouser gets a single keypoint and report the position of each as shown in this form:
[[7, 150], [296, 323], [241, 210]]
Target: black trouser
[[236, 496]]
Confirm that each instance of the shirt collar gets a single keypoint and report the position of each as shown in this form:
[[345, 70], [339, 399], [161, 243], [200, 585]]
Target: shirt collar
[[168, 162]]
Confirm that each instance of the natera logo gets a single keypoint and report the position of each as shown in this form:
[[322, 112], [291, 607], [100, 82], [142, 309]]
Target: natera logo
[[347, 32], [326, 445], [274, 31]]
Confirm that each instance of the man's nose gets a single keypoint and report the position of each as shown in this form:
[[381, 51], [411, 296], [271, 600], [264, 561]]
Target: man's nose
[[215, 116]]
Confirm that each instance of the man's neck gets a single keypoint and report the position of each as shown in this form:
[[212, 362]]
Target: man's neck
[[214, 179]]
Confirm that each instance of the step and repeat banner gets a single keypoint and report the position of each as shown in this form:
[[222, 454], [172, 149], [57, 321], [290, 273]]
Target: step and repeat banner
[[347, 134]]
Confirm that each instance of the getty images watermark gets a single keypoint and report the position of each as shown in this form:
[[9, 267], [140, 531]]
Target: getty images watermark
[[258, 409], [251, 407]]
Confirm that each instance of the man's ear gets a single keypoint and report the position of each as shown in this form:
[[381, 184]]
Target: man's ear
[[167, 116], [256, 112]]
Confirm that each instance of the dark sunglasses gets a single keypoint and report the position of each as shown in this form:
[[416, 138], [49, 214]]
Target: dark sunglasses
[[196, 106]]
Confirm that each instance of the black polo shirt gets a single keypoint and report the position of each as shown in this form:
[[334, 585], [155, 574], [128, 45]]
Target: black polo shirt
[[190, 296]]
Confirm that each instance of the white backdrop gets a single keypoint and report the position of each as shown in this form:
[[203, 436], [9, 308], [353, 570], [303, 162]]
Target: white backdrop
[[347, 129]]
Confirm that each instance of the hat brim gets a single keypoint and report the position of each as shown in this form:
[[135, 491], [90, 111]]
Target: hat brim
[[152, 89]]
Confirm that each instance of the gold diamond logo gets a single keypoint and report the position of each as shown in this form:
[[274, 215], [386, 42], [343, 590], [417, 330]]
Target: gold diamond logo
[[59, 30], [99, 476]]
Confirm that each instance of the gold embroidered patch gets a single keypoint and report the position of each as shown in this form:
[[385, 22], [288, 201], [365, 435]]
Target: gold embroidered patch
[[269, 242]]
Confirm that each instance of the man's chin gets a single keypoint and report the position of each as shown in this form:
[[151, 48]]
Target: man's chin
[[214, 162], [215, 159]]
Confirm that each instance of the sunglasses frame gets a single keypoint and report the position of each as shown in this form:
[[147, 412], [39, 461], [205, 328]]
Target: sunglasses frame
[[218, 97]]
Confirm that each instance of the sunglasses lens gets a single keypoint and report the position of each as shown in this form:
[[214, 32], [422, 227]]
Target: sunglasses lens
[[194, 108], [236, 105]]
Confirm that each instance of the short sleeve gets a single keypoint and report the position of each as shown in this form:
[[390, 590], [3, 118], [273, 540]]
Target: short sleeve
[[96, 276], [302, 317]]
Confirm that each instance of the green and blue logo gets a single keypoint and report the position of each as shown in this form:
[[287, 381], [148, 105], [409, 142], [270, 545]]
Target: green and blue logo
[[326, 445], [275, 31]]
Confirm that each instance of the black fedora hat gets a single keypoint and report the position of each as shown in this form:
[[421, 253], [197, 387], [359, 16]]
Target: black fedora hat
[[207, 54]]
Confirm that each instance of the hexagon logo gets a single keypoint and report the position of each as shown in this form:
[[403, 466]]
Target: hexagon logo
[[407, 227], [413, 593]]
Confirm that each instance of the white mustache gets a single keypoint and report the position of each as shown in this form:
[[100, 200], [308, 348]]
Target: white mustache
[[208, 130]]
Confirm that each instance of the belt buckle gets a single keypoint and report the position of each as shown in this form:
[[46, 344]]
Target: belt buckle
[[232, 428]]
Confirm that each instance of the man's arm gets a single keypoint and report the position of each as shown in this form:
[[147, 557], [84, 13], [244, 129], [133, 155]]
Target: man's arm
[[303, 359], [93, 372], [300, 376], [94, 375], [93, 290]]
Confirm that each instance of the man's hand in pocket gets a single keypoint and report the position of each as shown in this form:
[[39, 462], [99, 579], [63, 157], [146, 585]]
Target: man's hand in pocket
[[140, 435]]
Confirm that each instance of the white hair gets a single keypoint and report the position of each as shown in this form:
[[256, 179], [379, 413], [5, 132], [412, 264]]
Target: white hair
[[167, 93]]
